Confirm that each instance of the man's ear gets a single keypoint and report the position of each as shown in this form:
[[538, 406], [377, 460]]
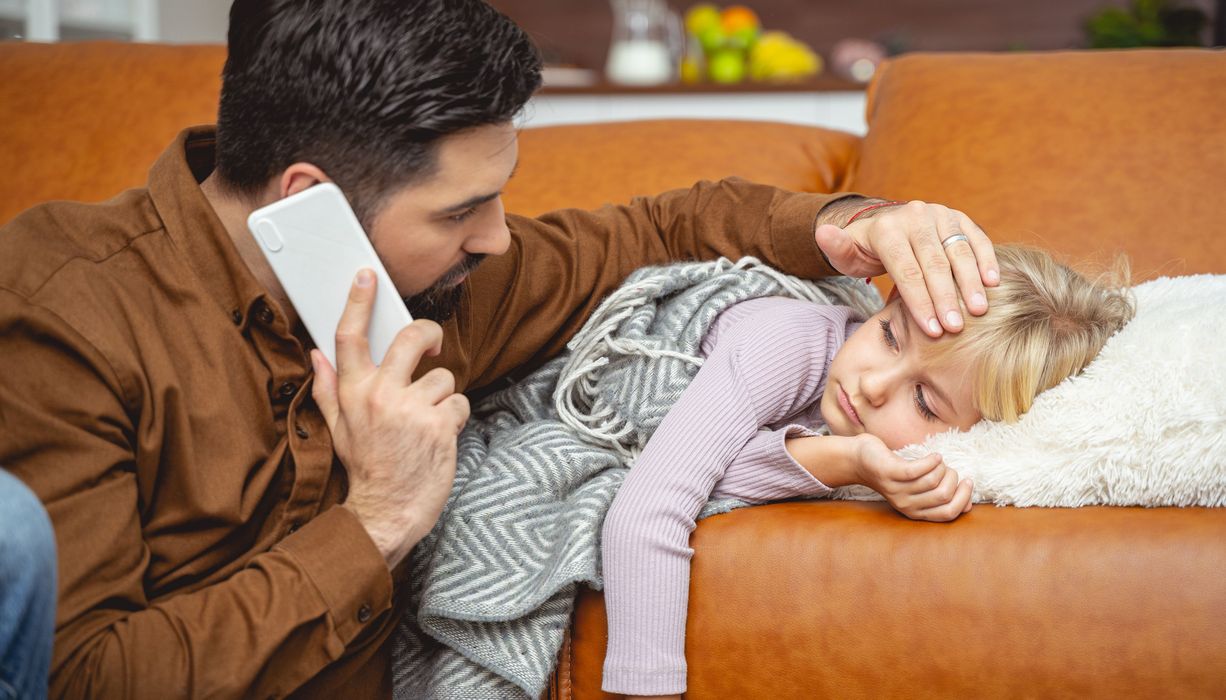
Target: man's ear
[[298, 177]]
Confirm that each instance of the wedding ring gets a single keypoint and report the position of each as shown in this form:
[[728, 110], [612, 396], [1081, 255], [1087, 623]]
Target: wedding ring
[[954, 239]]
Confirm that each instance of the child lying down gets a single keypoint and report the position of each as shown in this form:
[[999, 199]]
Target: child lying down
[[795, 399]]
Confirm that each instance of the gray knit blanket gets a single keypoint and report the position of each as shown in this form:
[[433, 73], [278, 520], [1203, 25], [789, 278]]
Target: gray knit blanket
[[493, 585]]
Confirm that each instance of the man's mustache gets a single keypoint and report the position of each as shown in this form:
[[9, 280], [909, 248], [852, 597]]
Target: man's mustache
[[467, 265], [439, 301]]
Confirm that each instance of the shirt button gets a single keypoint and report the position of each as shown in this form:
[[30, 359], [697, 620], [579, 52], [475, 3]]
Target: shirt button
[[301, 431], [364, 614], [264, 315], [237, 316], [287, 390]]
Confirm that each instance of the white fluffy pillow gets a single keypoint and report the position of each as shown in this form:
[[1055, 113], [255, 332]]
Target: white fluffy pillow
[[1144, 424]]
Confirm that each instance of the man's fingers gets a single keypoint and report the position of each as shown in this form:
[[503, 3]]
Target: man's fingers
[[420, 337], [845, 256], [929, 275], [985, 253], [908, 279], [352, 345], [903, 240], [961, 257], [938, 270], [434, 386], [457, 406], [834, 243], [324, 388]]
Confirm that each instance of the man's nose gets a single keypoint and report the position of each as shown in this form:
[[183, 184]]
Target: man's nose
[[492, 240]]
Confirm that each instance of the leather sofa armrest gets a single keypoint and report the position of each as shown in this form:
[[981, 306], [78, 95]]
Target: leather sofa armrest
[[851, 600]]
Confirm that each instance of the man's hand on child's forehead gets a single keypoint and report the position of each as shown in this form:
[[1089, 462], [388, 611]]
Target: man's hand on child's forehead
[[930, 251]]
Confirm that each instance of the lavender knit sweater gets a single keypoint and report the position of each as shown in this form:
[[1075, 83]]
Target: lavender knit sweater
[[764, 375]]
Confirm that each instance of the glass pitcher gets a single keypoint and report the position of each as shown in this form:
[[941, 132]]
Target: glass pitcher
[[647, 43]]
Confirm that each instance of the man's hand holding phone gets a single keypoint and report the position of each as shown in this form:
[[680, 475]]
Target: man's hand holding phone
[[395, 436]]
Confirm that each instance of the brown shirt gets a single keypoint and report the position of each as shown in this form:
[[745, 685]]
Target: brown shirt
[[154, 397]]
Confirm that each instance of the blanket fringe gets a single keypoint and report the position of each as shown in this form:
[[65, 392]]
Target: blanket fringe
[[577, 400]]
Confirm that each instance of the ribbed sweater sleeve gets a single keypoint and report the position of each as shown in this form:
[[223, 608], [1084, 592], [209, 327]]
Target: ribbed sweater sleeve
[[766, 363]]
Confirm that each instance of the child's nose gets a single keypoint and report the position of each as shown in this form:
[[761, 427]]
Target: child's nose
[[874, 387]]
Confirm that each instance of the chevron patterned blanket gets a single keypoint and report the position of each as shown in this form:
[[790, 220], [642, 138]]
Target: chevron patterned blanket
[[492, 587]]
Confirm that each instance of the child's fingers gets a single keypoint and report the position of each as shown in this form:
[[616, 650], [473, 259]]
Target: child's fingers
[[962, 500], [960, 503], [940, 495], [920, 475]]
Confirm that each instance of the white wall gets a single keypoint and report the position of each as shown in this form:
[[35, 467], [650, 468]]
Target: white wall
[[172, 21], [194, 21]]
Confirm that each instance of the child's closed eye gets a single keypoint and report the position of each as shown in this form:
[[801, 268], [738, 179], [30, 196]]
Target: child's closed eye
[[921, 403], [888, 334]]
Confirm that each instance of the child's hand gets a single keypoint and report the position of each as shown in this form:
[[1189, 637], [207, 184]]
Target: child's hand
[[921, 489]]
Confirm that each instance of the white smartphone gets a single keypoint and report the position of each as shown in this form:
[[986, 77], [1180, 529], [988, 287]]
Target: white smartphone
[[316, 246]]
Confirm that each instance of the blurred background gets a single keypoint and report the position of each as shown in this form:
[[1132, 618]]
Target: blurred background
[[799, 61]]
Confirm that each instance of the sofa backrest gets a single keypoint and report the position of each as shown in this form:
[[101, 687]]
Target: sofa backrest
[[589, 165], [1083, 152], [84, 121]]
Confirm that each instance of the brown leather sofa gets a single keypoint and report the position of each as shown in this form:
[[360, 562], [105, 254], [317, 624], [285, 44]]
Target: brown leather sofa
[[1084, 153]]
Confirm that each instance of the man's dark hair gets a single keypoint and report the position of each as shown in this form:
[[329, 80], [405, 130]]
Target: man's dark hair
[[363, 89]]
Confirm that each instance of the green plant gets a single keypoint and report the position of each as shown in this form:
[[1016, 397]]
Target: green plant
[[1146, 23]]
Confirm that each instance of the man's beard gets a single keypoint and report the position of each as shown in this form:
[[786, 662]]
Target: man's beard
[[439, 302]]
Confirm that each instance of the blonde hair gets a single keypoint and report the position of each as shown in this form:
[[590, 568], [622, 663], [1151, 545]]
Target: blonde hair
[[1045, 323]]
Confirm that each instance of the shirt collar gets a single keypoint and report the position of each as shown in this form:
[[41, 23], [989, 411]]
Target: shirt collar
[[193, 226]]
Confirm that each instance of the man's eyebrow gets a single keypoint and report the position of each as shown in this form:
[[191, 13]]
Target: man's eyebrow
[[906, 329], [477, 200], [470, 203]]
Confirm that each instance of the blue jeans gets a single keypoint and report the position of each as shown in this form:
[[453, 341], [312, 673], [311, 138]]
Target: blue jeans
[[27, 591]]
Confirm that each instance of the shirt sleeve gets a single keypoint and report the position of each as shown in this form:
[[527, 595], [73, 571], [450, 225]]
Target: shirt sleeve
[[522, 307], [765, 471], [768, 361], [275, 622]]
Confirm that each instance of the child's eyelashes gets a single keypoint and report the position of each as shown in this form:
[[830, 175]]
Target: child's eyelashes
[[921, 404], [888, 334]]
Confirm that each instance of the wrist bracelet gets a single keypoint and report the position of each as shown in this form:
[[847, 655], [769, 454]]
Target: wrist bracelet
[[878, 205]]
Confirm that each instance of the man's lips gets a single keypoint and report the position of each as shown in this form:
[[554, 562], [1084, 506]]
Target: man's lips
[[459, 274], [845, 404]]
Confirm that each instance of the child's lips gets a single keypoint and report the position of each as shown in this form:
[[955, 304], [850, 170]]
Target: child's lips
[[845, 404]]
